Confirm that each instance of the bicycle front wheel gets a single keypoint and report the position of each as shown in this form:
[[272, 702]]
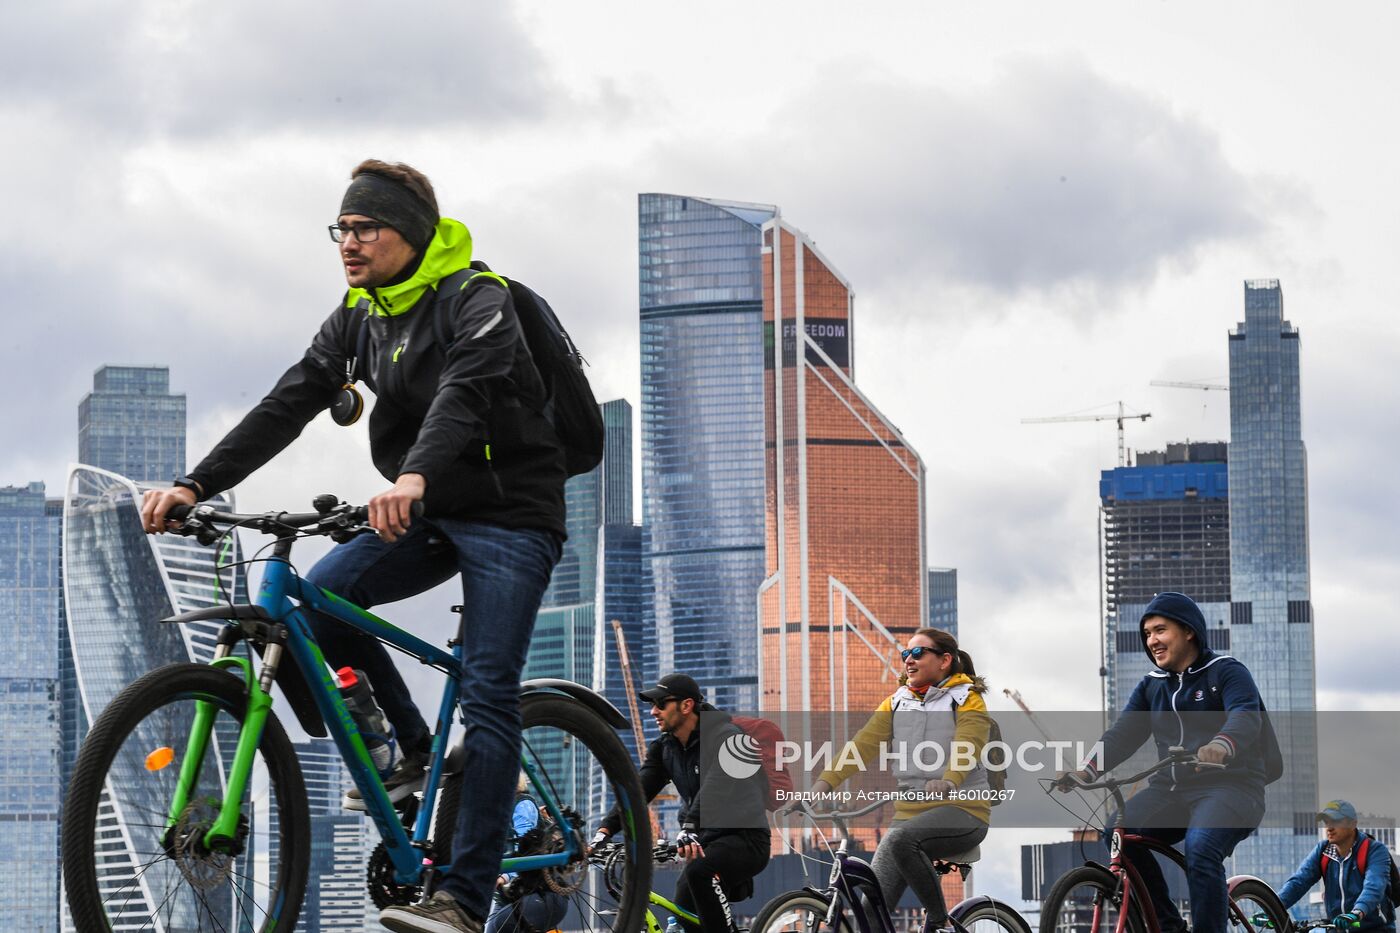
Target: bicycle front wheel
[[795, 912], [988, 915], [127, 866], [1250, 898], [1085, 900]]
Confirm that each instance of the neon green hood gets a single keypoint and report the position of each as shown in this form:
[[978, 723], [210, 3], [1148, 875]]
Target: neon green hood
[[449, 251]]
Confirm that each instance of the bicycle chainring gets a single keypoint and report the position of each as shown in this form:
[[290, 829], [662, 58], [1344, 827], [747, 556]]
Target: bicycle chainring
[[383, 889]]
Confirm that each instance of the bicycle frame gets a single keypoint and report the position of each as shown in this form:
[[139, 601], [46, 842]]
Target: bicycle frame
[[280, 586], [1135, 887], [850, 878], [654, 925]]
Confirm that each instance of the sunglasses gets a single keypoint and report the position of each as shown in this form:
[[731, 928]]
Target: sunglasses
[[661, 703], [918, 651]]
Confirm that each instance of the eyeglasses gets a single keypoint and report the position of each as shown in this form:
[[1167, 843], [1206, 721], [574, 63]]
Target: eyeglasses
[[365, 233], [918, 651]]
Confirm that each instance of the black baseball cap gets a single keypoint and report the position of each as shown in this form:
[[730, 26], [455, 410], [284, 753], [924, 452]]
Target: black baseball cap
[[680, 686]]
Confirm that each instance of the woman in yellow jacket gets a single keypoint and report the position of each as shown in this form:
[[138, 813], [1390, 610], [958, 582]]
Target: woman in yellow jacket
[[938, 704]]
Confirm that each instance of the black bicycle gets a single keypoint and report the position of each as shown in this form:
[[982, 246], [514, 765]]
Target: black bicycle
[[851, 900]]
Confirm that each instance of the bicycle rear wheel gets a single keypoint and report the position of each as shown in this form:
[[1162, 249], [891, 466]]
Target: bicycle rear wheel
[[124, 868], [988, 915], [1085, 900], [1250, 897], [585, 767]]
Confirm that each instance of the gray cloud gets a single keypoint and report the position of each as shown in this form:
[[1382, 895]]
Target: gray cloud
[[1050, 177], [202, 69]]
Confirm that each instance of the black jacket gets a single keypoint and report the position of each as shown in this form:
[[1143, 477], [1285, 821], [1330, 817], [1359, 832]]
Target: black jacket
[[468, 418], [696, 781]]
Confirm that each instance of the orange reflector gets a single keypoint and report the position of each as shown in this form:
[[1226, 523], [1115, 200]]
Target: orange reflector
[[160, 758]]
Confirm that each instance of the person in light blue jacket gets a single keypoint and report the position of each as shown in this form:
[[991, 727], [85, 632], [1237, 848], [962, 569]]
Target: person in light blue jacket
[[1355, 872]]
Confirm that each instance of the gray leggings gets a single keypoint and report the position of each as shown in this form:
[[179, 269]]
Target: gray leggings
[[905, 856]]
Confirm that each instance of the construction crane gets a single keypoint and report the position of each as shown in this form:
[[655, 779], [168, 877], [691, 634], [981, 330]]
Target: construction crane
[[1120, 418], [630, 688]]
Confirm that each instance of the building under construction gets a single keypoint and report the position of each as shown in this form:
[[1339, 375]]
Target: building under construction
[[1166, 526]]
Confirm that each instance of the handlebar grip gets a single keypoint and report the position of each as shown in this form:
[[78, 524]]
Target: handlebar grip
[[361, 513], [178, 512]]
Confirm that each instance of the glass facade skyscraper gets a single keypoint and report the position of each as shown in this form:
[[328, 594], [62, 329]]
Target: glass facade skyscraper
[[132, 425], [336, 897], [31, 793], [118, 581], [1271, 626], [943, 599], [844, 517], [701, 296]]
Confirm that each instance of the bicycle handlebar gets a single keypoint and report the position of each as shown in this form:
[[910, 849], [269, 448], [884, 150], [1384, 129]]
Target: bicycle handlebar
[[338, 520], [1177, 756]]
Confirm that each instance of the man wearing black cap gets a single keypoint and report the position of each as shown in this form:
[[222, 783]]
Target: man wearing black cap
[[1208, 703], [460, 428], [720, 862]]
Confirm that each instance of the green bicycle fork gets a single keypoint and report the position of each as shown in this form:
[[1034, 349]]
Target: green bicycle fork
[[225, 828]]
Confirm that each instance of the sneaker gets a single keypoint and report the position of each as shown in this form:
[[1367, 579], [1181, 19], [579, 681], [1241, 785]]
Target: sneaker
[[402, 783], [438, 914]]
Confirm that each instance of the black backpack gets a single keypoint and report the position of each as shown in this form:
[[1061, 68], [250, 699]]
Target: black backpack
[[569, 402]]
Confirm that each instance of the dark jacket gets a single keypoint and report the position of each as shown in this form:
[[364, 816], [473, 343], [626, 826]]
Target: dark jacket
[[468, 418], [696, 781], [1214, 698], [1343, 887]]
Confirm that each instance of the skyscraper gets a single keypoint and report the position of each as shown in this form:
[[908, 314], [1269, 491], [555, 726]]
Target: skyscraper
[[1166, 527], [701, 284], [118, 581], [31, 794], [943, 599], [844, 516], [335, 890], [598, 578], [567, 627], [1271, 623], [131, 425]]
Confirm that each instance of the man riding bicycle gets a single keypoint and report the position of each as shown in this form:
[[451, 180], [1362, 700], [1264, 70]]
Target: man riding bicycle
[[1354, 869], [1206, 702], [720, 862], [459, 428]]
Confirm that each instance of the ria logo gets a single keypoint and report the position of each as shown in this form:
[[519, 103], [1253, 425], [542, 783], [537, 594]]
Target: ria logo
[[739, 756]]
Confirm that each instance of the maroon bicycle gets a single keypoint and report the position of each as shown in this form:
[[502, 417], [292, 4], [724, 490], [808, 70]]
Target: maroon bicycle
[[1094, 898]]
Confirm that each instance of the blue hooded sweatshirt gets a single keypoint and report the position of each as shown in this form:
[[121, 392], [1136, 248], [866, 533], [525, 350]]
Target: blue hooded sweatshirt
[[1214, 698], [1345, 887]]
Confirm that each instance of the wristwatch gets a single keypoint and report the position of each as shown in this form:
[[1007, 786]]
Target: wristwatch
[[190, 484]]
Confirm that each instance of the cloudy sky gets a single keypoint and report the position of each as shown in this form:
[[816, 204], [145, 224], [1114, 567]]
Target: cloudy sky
[[1042, 208]]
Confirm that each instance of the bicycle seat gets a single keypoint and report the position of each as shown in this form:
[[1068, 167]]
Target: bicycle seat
[[962, 858]]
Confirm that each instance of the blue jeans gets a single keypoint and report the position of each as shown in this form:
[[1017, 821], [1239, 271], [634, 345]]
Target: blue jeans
[[1211, 821], [504, 575]]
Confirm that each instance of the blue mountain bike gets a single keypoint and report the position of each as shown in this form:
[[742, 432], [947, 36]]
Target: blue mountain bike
[[187, 809]]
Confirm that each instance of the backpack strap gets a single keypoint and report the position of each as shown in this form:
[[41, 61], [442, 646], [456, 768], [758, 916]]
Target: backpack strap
[[1363, 847], [354, 366], [451, 284]]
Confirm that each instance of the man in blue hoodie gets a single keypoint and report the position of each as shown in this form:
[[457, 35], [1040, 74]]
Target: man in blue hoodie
[[1354, 869], [1208, 703]]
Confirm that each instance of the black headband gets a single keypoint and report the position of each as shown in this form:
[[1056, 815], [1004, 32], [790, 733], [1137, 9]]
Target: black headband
[[391, 203]]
